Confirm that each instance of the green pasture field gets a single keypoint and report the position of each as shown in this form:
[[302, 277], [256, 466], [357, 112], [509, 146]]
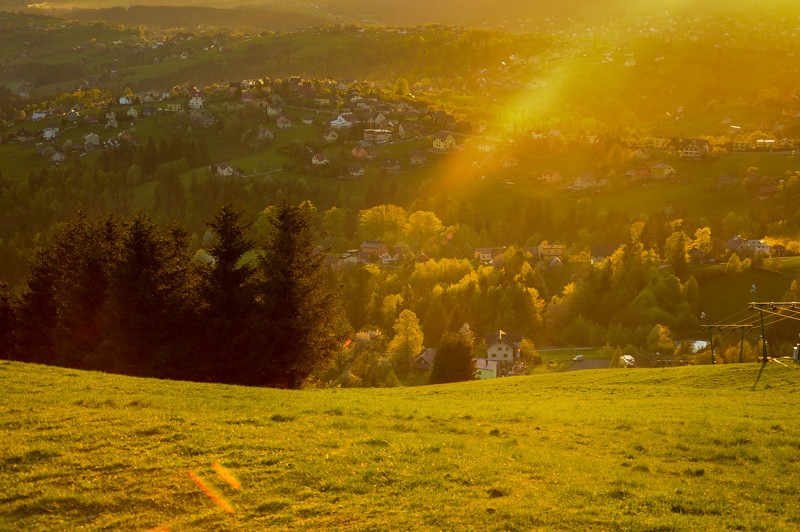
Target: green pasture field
[[691, 194], [18, 162], [686, 448]]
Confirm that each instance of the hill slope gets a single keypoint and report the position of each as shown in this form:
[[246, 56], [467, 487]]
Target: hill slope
[[679, 448]]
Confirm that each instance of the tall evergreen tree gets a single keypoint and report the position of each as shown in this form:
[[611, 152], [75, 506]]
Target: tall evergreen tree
[[86, 252], [300, 319], [150, 299], [36, 313], [228, 297]]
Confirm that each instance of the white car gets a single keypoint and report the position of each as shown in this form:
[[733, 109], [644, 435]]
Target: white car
[[578, 358]]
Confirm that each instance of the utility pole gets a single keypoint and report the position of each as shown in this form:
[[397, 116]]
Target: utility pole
[[723, 327], [711, 338], [774, 307]]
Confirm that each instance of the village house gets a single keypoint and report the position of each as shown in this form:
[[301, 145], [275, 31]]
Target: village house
[[444, 141], [224, 170], [583, 182], [759, 246], [264, 133], [486, 369], [424, 360], [377, 135], [547, 251], [50, 133], [695, 149], [343, 121], [72, 116], [132, 113], [196, 101], [662, 171], [125, 100], [331, 135], [740, 246], [359, 152], [319, 159], [283, 123], [274, 110], [550, 176], [502, 346], [371, 250], [356, 171], [600, 252], [149, 111], [412, 115], [377, 118], [91, 142], [174, 107], [38, 115], [486, 255], [419, 157], [697, 256]]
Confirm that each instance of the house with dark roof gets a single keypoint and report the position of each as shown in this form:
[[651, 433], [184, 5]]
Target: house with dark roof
[[424, 360], [502, 346], [695, 149], [444, 141]]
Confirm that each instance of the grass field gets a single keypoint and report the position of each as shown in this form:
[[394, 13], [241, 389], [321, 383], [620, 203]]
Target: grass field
[[691, 448]]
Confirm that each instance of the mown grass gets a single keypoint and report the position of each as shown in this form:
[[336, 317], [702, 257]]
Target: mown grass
[[693, 448]]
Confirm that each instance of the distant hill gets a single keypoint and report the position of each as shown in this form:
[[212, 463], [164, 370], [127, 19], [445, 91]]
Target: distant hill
[[263, 19], [280, 15]]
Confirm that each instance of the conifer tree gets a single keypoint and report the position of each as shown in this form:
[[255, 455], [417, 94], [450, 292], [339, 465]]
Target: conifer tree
[[150, 299], [36, 312], [300, 319], [228, 298]]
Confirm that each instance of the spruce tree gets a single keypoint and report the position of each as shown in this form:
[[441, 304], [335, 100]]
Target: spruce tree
[[149, 304], [227, 298], [300, 319]]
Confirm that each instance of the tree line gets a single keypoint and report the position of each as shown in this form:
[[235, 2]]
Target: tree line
[[123, 295]]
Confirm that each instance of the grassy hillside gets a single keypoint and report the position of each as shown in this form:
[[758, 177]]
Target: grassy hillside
[[665, 449]]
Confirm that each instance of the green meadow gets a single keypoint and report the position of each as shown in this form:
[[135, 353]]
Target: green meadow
[[688, 448]]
